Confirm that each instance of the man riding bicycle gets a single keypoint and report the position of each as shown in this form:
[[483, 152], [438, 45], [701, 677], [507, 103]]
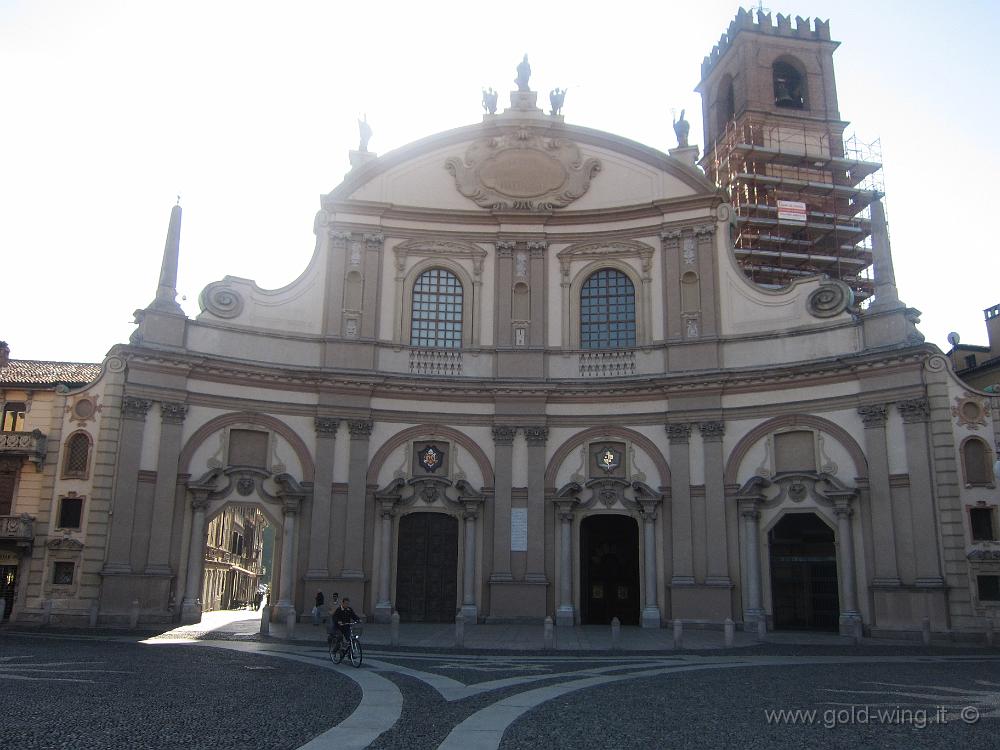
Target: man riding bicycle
[[340, 624]]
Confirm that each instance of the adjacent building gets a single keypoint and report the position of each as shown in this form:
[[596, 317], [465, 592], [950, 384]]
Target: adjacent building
[[529, 371]]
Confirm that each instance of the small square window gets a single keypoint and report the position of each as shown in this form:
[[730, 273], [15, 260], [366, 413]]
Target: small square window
[[70, 512], [989, 588], [981, 524], [62, 574]]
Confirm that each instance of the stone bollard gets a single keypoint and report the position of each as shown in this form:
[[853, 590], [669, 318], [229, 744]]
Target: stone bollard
[[46, 612], [3, 608], [133, 615], [762, 628], [93, 614], [678, 635], [394, 629], [290, 625], [459, 630], [859, 632], [989, 632], [547, 634], [729, 628], [925, 631], [616, 633], [265, 620]]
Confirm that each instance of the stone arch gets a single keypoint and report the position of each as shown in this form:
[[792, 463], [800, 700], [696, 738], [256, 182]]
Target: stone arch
[[969, 478], [386, 449], [625, 433], [790, 82], [761, 431], [246, 417]]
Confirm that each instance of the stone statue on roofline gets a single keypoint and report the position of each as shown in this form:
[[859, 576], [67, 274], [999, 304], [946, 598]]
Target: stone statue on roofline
[[490, 101], [556, 99], [681, 129], [523, 74], [366, 134]]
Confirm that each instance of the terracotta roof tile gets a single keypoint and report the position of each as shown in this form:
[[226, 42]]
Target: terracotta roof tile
[[37, 372]]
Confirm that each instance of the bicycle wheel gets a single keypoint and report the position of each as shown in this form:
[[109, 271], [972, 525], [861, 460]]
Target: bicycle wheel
[[333, 652], [336, 654], [356, 653]]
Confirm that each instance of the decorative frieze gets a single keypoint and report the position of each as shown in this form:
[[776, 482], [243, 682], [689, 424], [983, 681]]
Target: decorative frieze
[[914, 410], [712, 432], [503, 434], [173, 412], [360, 428], [136, 408], [536, 435], [678, 432], [326, 425], [873, 415]]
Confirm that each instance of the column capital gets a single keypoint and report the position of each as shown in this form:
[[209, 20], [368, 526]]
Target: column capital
[[504, 434], [199, 501], [338, 238], [135, 408], [873, 415], [326, 426], [290, 506], [173, 412], [374, 241], [914, 410], [536, 435], [842, 511], [751, 513], [712, 432], [505, 248], [470, 513], [671, 237], [361, 428], [678, 432], [704, 230]]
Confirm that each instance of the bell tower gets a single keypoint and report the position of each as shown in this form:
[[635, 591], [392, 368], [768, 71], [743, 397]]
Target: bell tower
[[775, 140]]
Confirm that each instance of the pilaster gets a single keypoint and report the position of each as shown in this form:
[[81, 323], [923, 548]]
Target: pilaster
[[354, 535], [133, 422]]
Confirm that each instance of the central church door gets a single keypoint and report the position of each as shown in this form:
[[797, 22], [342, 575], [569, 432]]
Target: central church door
[[427, 568], [609, 558]]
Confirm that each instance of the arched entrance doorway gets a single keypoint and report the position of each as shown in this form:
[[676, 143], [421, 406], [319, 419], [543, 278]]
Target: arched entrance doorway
[[803, 574], [239, 547], [609, 570], [427, 568]]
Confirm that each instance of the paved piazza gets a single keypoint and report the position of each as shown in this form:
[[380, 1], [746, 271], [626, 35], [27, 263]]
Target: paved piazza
[[115, 691]]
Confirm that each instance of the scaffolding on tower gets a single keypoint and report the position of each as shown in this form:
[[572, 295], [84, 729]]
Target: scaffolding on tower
[[801, 194]]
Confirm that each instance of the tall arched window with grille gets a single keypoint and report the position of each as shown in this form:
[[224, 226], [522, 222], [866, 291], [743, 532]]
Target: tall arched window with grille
[[436, 312], [607, 311], [77, 456]]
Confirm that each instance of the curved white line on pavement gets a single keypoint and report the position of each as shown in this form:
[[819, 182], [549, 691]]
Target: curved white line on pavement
[[380, 707]]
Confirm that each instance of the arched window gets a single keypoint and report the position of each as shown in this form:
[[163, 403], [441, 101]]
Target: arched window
[[436, 312], [725, 103], [789, 85], [976, 463], [607, 311], [77, 456]]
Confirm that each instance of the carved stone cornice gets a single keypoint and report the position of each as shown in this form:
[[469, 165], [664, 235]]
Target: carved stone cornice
[[536, 435], [338, 239], [914, 410], [873, 415], [326, 425], [712, 432], [66, 544], [173, 412], [503, 434], [136, 408], [360, 428], [678, 432]]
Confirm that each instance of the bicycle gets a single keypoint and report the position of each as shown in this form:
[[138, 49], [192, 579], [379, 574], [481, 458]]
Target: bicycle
[[348, 646]]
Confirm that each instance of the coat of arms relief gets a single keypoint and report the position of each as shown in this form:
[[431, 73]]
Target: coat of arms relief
[[523, 170]]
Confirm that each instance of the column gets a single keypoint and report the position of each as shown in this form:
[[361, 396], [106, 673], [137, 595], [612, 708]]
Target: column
[[127, 476], [651, 617], [357, 488], [717, 572], [680, 504], [503, 440], [565, 613], [845, 547], [191, 604], [883, 525], [383, 607], [285, 606], [536, 437], [753, 606], [916, 414], [165, 492], [319, 528], [469, 609]]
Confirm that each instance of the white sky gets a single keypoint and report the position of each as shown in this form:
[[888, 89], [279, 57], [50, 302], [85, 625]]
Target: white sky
[[248, 110]]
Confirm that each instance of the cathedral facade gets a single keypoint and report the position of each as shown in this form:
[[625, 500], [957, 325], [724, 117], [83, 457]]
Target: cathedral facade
[[526, 374]]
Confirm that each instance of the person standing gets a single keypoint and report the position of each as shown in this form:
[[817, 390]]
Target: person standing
[[318, 609]]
